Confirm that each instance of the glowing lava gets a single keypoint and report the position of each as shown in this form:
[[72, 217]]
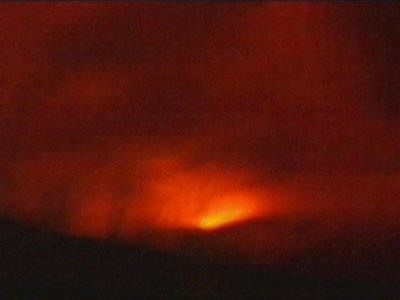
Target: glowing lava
[[204, 198], [221, 218], [228, 210]]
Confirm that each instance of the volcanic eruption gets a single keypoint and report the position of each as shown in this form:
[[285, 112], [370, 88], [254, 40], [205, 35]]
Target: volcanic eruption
[[268, 131]]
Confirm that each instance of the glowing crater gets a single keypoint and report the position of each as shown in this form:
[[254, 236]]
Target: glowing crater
[[220, 218]]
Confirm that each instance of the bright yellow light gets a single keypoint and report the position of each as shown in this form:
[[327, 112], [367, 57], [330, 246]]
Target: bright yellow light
[[220, 218]]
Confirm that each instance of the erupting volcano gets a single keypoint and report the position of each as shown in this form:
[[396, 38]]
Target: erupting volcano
[[228, 214], [269, 131]]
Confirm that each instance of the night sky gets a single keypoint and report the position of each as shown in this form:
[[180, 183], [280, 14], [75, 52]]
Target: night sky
[[267, 133]]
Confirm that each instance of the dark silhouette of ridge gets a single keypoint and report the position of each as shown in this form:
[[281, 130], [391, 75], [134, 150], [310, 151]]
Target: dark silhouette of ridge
[[35, 263]]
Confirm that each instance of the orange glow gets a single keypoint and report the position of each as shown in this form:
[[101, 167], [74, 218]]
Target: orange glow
[[175, 197], [223, 217], [262, 129]]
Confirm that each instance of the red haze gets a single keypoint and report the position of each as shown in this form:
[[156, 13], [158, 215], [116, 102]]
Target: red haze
[[272, 127]]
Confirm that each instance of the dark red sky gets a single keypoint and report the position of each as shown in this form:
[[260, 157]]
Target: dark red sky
[[119, 119]]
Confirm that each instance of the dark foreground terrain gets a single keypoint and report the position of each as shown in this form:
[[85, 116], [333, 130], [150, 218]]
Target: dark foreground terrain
[[38, 264]]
